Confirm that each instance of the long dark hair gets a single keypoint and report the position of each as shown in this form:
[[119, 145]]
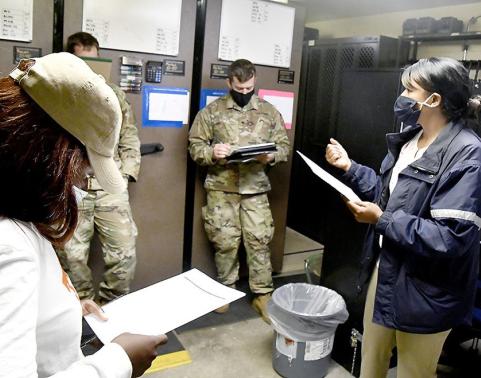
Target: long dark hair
[[450, 79], [39, 163]]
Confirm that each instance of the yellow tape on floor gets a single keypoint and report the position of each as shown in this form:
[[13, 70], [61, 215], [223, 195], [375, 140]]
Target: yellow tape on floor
[[169, 360]]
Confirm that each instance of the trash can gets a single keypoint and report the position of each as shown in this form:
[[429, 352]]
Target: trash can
[[305, 318]]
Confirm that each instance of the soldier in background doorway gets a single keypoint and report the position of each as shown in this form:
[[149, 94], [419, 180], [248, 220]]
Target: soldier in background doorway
[[237, 204], [109, 214]]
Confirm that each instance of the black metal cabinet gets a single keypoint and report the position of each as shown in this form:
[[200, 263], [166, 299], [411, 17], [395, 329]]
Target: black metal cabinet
[[324, 62], [348, 95]]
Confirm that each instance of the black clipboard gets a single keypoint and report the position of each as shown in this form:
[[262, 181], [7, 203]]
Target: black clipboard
[[251, 151]]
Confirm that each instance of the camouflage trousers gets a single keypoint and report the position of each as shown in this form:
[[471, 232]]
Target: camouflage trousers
[[230, 217], [111, 217]]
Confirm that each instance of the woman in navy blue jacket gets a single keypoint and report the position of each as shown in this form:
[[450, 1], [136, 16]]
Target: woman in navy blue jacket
[[421, 252]]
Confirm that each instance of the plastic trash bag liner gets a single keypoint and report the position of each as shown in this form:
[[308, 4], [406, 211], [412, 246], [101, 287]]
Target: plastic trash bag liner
[[304, 312]]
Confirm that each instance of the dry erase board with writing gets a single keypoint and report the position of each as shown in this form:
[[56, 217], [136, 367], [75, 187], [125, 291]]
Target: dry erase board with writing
[[257, 30], [149, 26], [16, 20]]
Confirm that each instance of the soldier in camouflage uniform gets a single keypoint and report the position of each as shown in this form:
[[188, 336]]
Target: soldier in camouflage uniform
[[237, 204], [109, 214]]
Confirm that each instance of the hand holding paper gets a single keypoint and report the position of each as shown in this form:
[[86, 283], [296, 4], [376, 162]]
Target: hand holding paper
[[90, 307], [140, 349], [365, 212], [162, 307], [331, 180]]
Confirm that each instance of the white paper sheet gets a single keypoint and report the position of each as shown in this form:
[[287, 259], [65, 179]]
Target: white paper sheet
[[285, 106], [330, 179], [16, 19], [283, 101], [210, 99], [169, 107], [164, 306]]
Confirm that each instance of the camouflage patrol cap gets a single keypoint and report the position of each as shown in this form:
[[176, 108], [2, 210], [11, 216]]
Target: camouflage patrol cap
[[82, 103]]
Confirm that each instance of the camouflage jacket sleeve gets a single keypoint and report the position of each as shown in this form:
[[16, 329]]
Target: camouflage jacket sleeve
[[280, 138], [200, 139], [129, 143]]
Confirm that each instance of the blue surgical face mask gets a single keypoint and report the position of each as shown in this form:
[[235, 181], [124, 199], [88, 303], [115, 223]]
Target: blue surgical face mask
[[405, 109], [79, 194]]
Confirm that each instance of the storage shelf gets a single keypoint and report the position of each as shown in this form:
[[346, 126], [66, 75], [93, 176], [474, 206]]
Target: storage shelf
[[442, 37], [415, 40]]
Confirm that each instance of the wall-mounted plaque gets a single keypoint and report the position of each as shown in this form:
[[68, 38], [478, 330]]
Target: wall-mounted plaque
[[285, 77], [21, 52], [174, 67], [219, 71]]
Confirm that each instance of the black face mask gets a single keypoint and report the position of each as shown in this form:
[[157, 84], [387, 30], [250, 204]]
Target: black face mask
[[405, 110], [241, 99]]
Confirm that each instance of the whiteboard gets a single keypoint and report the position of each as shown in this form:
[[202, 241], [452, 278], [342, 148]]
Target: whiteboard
[[16, 20], [150, 26], [256, 30]]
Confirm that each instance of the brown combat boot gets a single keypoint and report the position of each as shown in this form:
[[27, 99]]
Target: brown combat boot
[[260, 305], [225, 308], [222, 309]]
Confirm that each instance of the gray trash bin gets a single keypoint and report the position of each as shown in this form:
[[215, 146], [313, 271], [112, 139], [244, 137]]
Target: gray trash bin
[[305, 318]]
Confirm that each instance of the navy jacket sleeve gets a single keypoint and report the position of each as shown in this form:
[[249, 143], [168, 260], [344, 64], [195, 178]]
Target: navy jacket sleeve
[[454, 222], [364, 181]]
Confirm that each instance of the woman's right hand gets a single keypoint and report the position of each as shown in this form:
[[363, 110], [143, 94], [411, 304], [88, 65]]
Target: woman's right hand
[[337, 156], [141, 350]]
